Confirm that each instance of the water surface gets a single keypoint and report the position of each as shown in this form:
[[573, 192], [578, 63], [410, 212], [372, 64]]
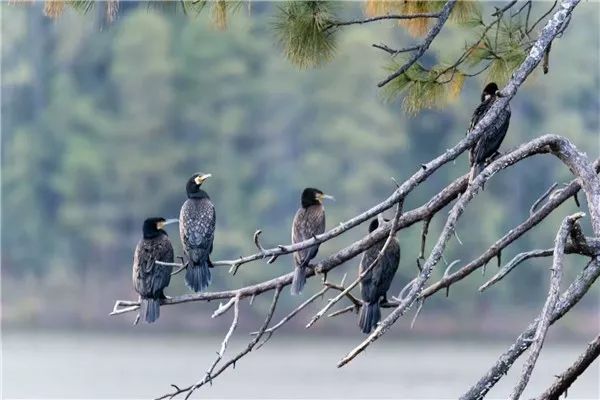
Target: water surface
[[82, 365]]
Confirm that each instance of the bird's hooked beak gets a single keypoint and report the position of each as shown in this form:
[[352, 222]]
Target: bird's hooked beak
[[322, 196], [201, 178], [169, 221]]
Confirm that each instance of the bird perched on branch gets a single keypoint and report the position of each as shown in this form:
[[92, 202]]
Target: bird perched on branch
[[375, 284], [150, 278], [491, 139], [197, 230], [309, 221]]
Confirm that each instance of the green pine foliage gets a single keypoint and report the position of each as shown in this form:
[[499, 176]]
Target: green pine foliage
[[301, 27]]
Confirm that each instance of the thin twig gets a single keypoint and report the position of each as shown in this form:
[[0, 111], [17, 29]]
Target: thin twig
[[542, 198], [442, 18], [336, 24], [295, 311], [395, 52], [518, 259]]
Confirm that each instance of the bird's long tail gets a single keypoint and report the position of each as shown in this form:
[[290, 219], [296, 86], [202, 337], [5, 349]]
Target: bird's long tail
[[370, 314], [299, 280], [150, 309], [197, 277]]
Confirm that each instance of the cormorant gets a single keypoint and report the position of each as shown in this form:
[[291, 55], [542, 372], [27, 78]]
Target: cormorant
[[375, 284], [309, 221], [488, 143], [197, 230], [150, 278]]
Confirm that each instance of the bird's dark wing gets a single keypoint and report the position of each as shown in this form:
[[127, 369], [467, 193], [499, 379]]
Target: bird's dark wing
[[197, 226], [150, 278], [479, 112], [162, 273], [368, 285], [308, 222], [492, 138], [389, 266]]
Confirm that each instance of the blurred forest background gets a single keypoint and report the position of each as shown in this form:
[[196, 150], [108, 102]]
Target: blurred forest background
[[102, 125]]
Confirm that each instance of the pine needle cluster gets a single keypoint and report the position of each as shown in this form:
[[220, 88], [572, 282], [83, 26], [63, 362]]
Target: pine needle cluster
[[302, 30]]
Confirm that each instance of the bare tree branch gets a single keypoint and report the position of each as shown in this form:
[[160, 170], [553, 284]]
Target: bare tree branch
[[590, 249], [544, 318], [564, 380], [554, 201], [442, 18], [336, 24], [190, 389], [562, 148], [568, 299]]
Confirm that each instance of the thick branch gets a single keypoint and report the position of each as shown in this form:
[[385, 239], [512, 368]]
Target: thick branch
[[544, 318], [564, 380]]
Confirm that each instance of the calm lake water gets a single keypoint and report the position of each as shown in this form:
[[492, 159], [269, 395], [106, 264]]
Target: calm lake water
[[82, 365]]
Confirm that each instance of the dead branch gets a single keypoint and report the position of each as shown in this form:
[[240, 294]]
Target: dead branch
[[544, 318], [564, 380], [589, 247], [563, 149], [285, 319], [515, 233], [221, 352], [190, 389], [568, 299]]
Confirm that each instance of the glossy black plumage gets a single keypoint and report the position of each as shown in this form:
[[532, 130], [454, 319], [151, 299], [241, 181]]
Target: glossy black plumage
[[149, 278], [196, 229], [489, 143], [376, 283], [309, 221]]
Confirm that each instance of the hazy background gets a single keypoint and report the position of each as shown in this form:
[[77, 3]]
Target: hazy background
[[102, 125]]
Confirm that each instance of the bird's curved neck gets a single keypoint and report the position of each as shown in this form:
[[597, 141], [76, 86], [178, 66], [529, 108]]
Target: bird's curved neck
[[312, 206], [199, 194], [155, 234]]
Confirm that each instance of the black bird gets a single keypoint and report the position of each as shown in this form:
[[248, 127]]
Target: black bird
[[375, 284], [150, 278], [197, 231], [309, 221], [488, 143]]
